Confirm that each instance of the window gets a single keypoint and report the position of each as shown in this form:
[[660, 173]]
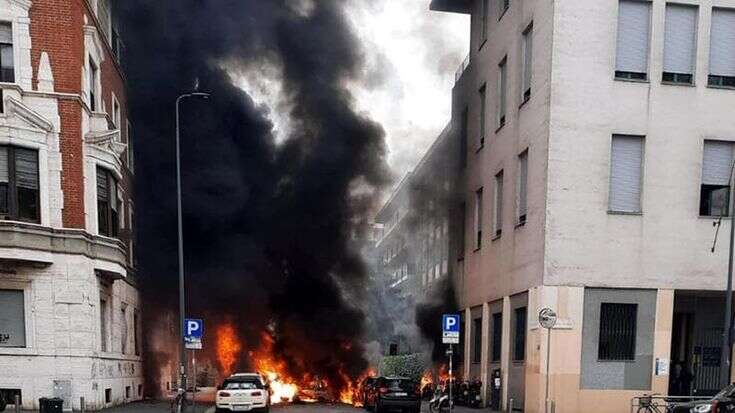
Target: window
[[115, 112], [108, 396], [715, 189], [123, 330], [19, 184], [108, 204], [722, 48], [680, 43], [7, 65], [478, 219], [103, 325], [483, 35], [617, 332], [502, 86], [503, 6], [483, 108], [498, 204], [131, 149], [527, 46], [463, 139], [136, 337], [634, 20], [626, 173], [93, 94], [140, 390], [497, 336], [522, 187], [461, 229], [12, 318], [127, 392], [519, 350], [104, 15], [477, 340]]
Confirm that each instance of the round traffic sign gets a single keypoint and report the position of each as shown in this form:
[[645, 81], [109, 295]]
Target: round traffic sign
[[547, 318]]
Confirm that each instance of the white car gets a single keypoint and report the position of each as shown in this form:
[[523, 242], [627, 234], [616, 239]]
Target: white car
[[243, 392]]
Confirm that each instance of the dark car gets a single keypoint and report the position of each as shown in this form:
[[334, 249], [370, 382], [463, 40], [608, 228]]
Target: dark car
[[397, 394], [723, 402], [367, 392]]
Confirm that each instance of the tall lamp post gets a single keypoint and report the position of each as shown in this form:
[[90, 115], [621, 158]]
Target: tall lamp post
[[182, 302]]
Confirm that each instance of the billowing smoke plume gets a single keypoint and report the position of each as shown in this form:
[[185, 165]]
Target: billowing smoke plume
[[267, 224]]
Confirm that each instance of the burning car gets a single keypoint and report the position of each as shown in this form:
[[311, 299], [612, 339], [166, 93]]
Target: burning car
[[315, 391], [243, 392]]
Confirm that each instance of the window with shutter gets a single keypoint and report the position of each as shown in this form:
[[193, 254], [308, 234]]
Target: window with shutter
[[483, 108], [626, 174], [484, 14], [503, 6], [498, 204], [12, 318], [717, 162], [502, 86], [527, 62], [19, 184], [4, 183], [522, 187], [634, 20], [478, 219], [722, 48], [680, 43], [108, 204], [7, 65]]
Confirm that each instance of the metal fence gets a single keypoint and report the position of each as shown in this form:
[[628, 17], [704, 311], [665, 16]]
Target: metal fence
[[659, 403]]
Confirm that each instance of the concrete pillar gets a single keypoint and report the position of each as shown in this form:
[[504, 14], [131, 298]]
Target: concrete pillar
[[505, 349], [467, 342], [662, 338], [485, 359]]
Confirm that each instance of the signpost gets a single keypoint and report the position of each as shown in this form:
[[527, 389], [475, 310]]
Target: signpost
[[193, 332], [547, 319], [450, 335]]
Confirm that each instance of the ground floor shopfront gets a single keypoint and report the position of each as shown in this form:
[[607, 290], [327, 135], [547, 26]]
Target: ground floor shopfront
[[609, 345]]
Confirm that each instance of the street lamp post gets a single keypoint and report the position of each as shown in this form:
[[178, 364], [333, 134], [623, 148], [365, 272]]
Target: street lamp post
[[182, 302], [725, 368]]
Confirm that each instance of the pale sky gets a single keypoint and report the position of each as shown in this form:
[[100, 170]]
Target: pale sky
[[418, 51], [411, 56]]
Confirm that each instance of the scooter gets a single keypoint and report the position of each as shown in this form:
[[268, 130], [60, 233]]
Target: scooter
[[473, 397], [440, 402]]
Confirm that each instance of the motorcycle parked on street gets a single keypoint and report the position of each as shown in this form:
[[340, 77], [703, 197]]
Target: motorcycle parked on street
[[439, 403]]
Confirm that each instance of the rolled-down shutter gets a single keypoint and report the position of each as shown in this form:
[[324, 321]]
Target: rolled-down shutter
[[26, 168], [634, 20], [626, 173], [717, 161], [680, 38], [6, 33], [4, 165], [722, 43]]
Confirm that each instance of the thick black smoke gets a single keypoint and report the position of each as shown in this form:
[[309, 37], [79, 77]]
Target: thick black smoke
[[266, 225]]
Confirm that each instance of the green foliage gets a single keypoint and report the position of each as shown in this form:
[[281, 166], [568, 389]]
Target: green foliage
[[410, 365]]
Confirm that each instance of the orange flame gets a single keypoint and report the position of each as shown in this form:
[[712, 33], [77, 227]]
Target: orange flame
[[228, 347], [283, 389]]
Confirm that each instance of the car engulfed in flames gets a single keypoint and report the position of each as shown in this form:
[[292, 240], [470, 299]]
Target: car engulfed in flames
[[283, 386]]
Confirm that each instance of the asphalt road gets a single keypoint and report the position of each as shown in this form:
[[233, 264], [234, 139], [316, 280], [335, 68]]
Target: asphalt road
[[163, 407]]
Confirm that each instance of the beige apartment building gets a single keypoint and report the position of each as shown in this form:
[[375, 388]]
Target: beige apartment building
[[599, 140]]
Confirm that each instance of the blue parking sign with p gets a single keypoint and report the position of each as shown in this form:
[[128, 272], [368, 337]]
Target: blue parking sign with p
[[193, 332], [450, 328]]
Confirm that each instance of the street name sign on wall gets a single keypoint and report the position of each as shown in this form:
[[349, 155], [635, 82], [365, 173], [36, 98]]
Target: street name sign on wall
[[450, 328], [193, 332]]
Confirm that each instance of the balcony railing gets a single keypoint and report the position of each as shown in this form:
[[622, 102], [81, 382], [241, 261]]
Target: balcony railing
[[460, 70]]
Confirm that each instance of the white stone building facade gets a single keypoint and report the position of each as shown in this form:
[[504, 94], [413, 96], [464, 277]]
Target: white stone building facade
[[70, 312]]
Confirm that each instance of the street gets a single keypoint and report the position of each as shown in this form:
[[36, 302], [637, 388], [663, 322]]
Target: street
[[163, 407]]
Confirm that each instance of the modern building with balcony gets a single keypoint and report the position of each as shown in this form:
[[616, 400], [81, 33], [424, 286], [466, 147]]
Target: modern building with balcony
[[69, 307], [599, 143]]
